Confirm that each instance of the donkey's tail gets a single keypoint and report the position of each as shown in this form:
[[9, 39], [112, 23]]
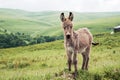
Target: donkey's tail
[[95, 43]]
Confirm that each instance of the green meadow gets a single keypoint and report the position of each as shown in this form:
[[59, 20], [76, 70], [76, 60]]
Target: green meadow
[[47, 61], [48, 22]]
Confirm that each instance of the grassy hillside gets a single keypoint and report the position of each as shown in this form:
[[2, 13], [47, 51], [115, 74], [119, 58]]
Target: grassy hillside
[[48, 23], [47, 61]]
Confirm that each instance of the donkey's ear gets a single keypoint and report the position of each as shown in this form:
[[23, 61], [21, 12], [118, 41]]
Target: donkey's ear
[[70, 16], [62, 17]]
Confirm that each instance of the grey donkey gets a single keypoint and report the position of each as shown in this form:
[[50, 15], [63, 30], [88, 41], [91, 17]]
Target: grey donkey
[[75, 42]]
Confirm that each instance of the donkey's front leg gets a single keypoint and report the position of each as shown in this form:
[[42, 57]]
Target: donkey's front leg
[[75, 62], [69, 55]]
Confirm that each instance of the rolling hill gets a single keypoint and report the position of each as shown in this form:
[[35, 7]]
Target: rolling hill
[[47, 61], [48, 22]]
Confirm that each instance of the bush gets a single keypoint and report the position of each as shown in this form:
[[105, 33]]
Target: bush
[[21, 39], [10, 40]]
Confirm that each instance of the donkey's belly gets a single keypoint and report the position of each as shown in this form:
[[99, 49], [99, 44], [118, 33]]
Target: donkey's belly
[[82, 49]]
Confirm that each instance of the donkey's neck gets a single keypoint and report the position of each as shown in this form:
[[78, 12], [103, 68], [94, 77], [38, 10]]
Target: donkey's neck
[[70, 42]]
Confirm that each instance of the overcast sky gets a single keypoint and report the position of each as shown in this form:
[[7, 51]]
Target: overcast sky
[[63, 5]]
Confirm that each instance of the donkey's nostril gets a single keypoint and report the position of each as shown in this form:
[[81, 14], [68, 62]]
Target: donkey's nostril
[[68, 36]]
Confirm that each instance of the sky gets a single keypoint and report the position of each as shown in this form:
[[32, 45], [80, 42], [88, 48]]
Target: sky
[[63, 5]]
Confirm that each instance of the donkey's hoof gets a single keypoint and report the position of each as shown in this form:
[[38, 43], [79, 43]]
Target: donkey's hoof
[[69, 69], [75, 74]]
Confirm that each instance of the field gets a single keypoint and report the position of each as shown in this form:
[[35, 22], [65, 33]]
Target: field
[[48, 23], [47, 61]]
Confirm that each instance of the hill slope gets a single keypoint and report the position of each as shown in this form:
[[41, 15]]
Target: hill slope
[[48, 23], [47, 61]]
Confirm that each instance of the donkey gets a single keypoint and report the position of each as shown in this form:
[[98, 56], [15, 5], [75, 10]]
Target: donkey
[[76, 42]]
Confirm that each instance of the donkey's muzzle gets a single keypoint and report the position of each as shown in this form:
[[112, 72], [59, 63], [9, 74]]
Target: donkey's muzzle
[[68, 36]]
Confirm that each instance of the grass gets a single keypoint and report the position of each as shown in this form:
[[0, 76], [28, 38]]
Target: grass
[[47, 61]]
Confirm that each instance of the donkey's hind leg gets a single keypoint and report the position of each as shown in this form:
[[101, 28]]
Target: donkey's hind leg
[[85, 56], [83, 63]]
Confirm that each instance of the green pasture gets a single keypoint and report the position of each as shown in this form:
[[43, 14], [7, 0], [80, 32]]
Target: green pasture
[[48, 61]]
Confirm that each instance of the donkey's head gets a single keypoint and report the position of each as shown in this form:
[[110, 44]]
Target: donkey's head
[[67, 25]]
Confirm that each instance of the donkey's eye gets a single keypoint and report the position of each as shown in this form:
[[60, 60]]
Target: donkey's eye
[[70, 26], [64, 27]]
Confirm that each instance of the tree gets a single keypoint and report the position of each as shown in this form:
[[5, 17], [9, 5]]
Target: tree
[[40, 39]]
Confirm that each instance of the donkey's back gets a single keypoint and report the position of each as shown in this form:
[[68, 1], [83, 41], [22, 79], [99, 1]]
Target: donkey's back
[[84, 38]]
